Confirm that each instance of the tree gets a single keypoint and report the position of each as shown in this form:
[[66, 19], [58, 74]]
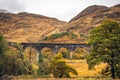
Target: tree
[[3, 45], [10, 62], [44, 69], [105, 43], [40, 63], [59, 68]]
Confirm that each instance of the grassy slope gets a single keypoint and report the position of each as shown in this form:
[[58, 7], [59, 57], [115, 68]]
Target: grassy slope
[[82, 68]]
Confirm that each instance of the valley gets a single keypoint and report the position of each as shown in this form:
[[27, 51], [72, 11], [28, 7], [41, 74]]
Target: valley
[[37, 46]]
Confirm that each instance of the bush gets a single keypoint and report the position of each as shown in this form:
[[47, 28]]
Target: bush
[[10, 64], [44, 69], [59, 35], [73, 36], [60, 69], [6, 77], [83, 35]]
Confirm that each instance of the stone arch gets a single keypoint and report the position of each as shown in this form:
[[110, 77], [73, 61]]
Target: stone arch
[[80, 53], [31, 54], [64, 51], [50, 47], [63, 47], [47, 52]]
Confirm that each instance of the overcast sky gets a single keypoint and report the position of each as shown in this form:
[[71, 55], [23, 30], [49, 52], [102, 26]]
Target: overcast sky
[[60, 9]]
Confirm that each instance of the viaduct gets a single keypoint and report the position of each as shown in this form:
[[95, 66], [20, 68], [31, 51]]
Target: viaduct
[[54, 46]]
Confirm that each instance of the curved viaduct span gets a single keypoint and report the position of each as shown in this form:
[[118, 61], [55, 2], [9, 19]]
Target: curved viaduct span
[[54, 46]]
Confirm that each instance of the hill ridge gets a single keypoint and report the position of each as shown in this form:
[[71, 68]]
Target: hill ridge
[[23, 26]]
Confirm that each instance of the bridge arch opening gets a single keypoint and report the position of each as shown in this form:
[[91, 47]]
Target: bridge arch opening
[[47, 52], [31, 54], [79, 53], [64, 51]]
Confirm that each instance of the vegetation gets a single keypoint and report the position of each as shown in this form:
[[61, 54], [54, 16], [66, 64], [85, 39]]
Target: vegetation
[[60, 35], [65, 52], [47, 53], [3, 46], [73, 36], [105, 43], [57, 66], [81, 67], [43, 70], [60, 69], [79, 53], [44, 62], [83, 35], [10, 62]]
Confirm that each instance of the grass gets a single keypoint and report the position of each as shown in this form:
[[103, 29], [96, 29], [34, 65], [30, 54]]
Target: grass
[[80, 78], [81, 67]]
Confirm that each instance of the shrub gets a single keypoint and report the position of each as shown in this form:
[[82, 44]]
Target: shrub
[[60, 69], [73, 36]]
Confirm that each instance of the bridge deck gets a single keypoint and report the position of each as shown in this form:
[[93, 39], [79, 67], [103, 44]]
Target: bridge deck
[[49, 43]]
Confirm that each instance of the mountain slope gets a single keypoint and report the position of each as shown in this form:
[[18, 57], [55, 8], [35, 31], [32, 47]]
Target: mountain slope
[[91, 17], [24, 27], [89, 11]]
